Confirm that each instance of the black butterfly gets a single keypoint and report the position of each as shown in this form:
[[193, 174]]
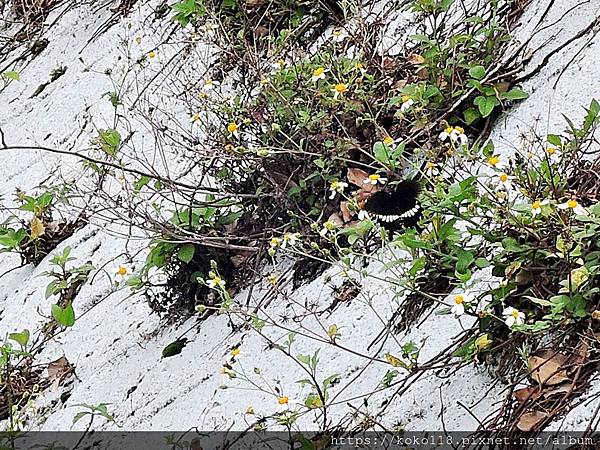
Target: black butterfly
[[398, 208]]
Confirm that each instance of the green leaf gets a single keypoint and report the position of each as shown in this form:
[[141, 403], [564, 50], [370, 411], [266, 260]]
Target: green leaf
[[477, 72], [109, 141], [174, 348], [485, 104], [186, 252], [12, 75], [515, 94], [65, 317], [471, 115], [554, 140], [21, 338]]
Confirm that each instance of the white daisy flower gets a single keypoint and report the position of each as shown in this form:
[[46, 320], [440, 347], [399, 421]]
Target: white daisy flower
[[513, 317], [318, 74], [290, 239], [121, 273], [336, 187], [374, 179], [339, 89], [339, 35], [407, 103], [209, 85], [553, 154], [216, 282], [574, 206], [455, 134], [459, 301], [431, 169], [285, 403], [363, 215], [504, 181], [232, 129], [536, 207], [328, 227], [279, 64], [496, 162]]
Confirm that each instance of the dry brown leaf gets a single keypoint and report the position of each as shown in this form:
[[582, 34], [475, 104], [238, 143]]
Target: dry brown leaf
[[346, 213], [531, 419], [37, 228], [415, 58], [547, 367], [557, 390], [528, 393], [357, 176], [59, 370], [335, 218], [422, 74]]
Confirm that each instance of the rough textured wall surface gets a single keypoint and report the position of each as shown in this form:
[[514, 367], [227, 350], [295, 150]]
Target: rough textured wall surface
[[116, 344]]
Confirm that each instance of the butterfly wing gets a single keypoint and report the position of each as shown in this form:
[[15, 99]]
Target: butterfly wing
[[397, 208]]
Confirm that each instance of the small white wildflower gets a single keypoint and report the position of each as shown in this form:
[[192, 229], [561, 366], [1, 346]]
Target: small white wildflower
[[209, 85], [574, 206], [318, 74], [339, 35], [407, 103], [328, 227], [121, 273], [290, 239], [458, 308], [513, 317], [374, 179], [336, 187], [536, 207]]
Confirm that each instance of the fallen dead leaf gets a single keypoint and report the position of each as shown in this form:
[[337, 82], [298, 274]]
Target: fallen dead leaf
[[531, 419], [335, 218], [415, 58], [548, 367], [528, 393], [37, 228], [346, 213], [357, 176], [59, 370]]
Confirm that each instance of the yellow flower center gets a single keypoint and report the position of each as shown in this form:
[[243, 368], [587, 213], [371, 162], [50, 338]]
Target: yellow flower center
[[405, 98], [572, 203], [340, 88], [319, 71], [232, 127], [515, 313], [280, 62], [430, 165], [275, 242], [151, 54], [388, 140], [360, 66], [551, 151], [283, 400], [536, 205], [459, 130], [504, 178], [459, 299], [235, 352], [374, 177], [122, 271], [494, 160], [449, 130], [217, 281]]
